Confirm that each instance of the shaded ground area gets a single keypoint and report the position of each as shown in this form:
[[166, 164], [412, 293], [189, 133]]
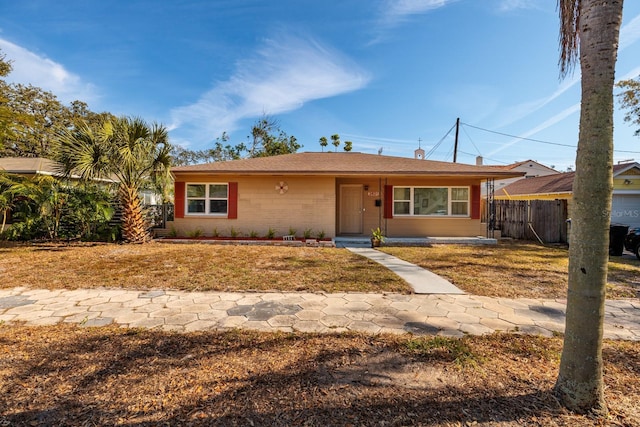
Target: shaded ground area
[[106, 376], [515, 269]]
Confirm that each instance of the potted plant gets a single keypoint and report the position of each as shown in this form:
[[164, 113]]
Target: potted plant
[[376, 237]]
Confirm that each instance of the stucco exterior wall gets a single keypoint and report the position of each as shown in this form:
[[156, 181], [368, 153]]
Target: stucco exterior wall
[[399, 226], [313, 202], [308, 203]]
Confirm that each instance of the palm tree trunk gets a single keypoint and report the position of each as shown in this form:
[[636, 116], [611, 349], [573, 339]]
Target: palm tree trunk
[[134, 224], [580, 384]]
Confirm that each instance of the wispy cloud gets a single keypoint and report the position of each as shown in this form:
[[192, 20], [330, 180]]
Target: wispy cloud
[[30, 68], [395, 11], [510, 5], [283, 74], [629, 34], [546, 124]]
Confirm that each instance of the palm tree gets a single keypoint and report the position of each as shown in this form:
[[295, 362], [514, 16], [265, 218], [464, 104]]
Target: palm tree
[[6, 197], [128, 149], [323, 142], [589, 32], [48, 201], [335, 140]]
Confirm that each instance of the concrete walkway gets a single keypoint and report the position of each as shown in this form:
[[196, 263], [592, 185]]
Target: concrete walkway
[[449, 315], [421, 280]]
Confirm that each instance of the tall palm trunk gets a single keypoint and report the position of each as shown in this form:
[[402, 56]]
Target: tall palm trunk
[[580, 384], [134, 224]]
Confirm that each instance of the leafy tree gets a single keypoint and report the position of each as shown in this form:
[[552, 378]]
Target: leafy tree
[[348, 146], [181, 156], [88, 212], [630, 99], [38, 117], [30, 118], [269, 140], [48, 199], [335, 140], [323, 142], [135, 153], [589, 33]]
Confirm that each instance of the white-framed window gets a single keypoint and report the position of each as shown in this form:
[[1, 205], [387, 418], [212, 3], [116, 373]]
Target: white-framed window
[[431, 201], [207, 198]]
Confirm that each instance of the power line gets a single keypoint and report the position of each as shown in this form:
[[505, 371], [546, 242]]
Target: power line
[[538, 140], [520, 137], [439, 142]]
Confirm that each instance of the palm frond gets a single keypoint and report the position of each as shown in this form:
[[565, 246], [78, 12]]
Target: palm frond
[[569, 35]]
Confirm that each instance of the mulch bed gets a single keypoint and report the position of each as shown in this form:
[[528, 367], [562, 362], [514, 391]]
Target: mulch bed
[[73, 376]]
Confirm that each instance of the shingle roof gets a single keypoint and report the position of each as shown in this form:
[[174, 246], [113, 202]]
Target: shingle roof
[[548, 184], [515, 165], [29, 165], [551, 184], [345, 163]]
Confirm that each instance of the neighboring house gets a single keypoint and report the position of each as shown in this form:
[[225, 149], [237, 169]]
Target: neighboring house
[[29, 166], [333, 193], [625, 207], [530, 168]]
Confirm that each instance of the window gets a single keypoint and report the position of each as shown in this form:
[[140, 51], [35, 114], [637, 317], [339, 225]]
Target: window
[[431, 201], [207, 199]]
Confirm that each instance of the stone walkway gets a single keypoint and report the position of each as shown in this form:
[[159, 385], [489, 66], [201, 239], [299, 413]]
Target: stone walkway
[[449, 315]]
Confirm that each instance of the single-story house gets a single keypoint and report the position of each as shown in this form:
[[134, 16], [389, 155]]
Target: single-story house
[[29, 166], [625, 206], [32, 166], [333, 194]]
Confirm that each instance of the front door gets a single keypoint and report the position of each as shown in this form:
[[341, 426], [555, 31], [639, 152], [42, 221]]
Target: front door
[[351, 209]]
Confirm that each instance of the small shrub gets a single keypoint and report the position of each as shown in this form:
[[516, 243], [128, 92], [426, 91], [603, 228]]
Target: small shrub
[[271, 233], [292, 231], [320, 235], [307, 233], [195, 233], [234, 233], [215, 232], [253, 234], [173, 232]]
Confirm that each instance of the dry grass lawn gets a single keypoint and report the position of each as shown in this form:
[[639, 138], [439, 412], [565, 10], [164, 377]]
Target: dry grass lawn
[[70, 376], [508, 270], [515, 269], [193, 267]]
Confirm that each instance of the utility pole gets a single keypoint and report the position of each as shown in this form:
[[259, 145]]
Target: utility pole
[[455, 147]]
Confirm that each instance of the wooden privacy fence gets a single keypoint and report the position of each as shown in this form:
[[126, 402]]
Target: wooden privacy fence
[[544, 220]]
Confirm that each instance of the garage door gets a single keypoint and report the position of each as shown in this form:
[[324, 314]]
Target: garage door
[[625, 209]]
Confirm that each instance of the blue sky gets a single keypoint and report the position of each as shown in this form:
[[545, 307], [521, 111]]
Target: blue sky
[[381, 73]]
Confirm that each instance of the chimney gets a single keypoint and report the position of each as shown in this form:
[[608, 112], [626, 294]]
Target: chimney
[[479, 161]]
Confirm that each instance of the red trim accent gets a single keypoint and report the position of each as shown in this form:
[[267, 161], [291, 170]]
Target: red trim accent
[[233, 201], [475, 202], [388, 201], [178, 198]]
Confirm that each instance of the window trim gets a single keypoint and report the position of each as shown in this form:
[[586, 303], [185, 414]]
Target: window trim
[[207, 199], [450, 202]]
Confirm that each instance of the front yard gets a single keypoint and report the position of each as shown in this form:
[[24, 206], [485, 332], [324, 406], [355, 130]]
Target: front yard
[[508, 270], [72, 375], [515, 269]]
